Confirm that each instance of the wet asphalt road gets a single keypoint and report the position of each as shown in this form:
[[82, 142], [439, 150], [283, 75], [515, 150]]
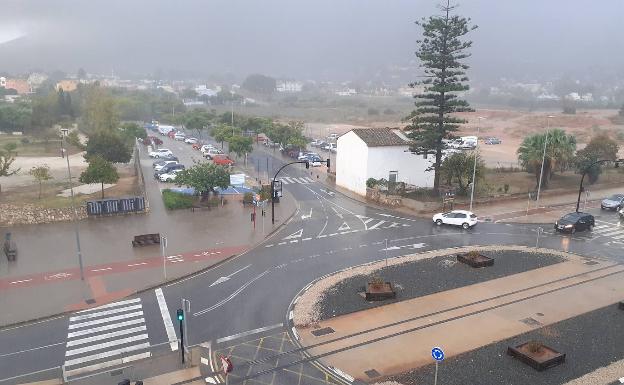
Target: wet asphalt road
[[328, 232]]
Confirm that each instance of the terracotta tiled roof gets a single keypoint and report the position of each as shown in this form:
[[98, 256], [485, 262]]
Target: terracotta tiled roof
[[378, 137]]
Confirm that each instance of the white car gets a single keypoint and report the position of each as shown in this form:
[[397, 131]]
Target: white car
[[333, 147], [168, 177], [191, 140], [179, 136], [159, 167], [212, 152], [463, 218], [206, 147], [160, 153]]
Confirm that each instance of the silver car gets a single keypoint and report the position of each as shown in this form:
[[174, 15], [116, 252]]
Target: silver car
[[614, 202]]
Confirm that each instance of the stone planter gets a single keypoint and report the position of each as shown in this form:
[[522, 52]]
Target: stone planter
[[542, 359], [477, 260], [379, 291]]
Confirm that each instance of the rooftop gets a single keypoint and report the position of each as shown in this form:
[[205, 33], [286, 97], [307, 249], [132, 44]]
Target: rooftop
[[378, 137]]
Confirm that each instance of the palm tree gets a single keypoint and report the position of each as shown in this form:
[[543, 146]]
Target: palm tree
[[560, 148]]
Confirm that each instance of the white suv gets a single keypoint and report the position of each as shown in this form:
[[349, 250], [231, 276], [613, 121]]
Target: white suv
[[465, 219], [160, 153]]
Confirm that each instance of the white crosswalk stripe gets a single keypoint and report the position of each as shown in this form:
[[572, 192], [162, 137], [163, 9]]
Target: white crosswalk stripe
[[292, 180], [614, 232], [104, 337]]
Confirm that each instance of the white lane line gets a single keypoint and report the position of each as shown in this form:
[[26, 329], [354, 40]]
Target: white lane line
[[321, 236], [107, 364], [611, 232], [107, 319], [306, 239], [248, 333], [164, 312], [294, 241], [30, 350], [393, 216], [282, 243], [373, 227], [142, 263], [114, 304], [332, 234], [103, 269], [291, 315], [109, 353], [105, 327], [104, 313], [104, 336], [237, 292], [286, 179], [21, 281], [269, 245], [105, 345]]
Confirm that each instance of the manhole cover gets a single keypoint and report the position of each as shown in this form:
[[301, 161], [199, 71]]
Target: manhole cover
[[90, 301], [372, 373], [322, 332], [591, 263], [531, 321]]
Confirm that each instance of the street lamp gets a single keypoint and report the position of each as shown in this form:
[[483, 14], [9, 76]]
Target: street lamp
[[64, 132], [474, 167], [539, 186]]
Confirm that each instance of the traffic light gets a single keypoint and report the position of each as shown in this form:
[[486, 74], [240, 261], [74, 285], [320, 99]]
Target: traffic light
[[328, 163], [307, 164], [180, 315]]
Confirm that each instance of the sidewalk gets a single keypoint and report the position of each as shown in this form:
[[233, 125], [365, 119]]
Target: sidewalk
[[47, 255]]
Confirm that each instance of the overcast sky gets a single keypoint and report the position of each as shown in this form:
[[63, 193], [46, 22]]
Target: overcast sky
[[316, 39]]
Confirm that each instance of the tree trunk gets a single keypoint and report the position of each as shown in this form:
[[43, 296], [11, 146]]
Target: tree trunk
[[102, 190], [39, 189]]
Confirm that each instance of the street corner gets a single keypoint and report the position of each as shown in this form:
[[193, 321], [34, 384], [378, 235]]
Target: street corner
[[271, 358]]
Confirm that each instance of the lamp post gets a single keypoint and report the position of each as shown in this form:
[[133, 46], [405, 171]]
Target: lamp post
[[273, 184], [163, 243], [474, 167], [539, 185], [64, 132]]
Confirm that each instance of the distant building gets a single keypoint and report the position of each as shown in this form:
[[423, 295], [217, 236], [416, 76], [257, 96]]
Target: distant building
[[35, 80], [288, 86], [20, 85], [203, 90], [347, 92], [365, 153], [3, 82], [67, 85]]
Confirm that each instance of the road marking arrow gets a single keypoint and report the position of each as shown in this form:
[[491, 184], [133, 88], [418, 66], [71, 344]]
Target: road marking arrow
[[227, 277], [296, 234], [307, 216], [344, 226]]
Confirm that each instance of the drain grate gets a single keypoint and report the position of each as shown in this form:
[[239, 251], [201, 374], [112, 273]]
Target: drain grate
[[591, 263], [531, 321], [372, 373], [322, 332], [90, 301]]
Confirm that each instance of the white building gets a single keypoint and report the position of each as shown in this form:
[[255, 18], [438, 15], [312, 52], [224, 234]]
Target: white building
[[203, 90], [3, 82], [365, 153], [288, 86]]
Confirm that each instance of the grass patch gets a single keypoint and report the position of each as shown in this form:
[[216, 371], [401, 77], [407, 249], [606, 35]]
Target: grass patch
[[174, 200], [33, 146]]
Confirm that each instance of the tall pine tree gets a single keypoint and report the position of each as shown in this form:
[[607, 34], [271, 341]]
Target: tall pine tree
[[441, 52]]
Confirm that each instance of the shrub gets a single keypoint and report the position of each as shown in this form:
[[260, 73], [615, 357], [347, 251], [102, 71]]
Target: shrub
[[534, 347], [25, 140], [248, 197], [472, 254], [506, 188], [174, 200], [371, 182]]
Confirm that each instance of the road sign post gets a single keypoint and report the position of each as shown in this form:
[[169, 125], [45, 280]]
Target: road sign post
[[186, 309], [438, 355], [180, 314]]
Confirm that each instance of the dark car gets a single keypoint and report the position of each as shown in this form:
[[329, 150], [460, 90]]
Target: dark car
[[614, 202], [493, 140], [573, 222], [164, 159], [168, 168]]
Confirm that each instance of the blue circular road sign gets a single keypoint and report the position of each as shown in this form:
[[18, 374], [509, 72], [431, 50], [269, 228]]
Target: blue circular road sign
[[437, 354]]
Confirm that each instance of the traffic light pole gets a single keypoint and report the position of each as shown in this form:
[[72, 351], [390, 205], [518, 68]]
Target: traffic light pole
[[307, 163], [180, 314]]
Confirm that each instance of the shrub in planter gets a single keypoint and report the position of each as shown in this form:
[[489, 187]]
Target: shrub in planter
[[174, 200]]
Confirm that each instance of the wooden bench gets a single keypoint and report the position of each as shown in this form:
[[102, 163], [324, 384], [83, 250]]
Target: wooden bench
[[146, 240]]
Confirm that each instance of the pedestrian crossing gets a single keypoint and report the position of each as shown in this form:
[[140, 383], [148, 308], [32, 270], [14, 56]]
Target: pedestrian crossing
[[105, 336], [614, 232], [293, 180]]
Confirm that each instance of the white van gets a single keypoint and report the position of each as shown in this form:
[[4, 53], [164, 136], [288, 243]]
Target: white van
[[469, 142], [164, 130]]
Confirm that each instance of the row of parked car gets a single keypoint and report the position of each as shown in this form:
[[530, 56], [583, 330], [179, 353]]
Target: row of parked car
[[166, 165], [318, 143]]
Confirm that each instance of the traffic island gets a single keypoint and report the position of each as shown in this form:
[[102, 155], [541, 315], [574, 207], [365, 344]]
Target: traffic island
[[537, 355], [475, 259]]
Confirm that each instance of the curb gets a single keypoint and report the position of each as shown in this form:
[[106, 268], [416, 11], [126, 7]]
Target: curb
[[161, 284]]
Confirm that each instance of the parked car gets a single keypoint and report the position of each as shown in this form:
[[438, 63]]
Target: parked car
[[159, 167], [614, 202], [168, 177], [621, 212], [206, 147], [326, 146], [172, 134], [162, 162], [153, 141], [197, 146], [493, 140], [160, 153], [463, 218], [179, 136], [316, 143], [333, 147], [332, 136], [212, 152], [168, 168], [573, 222], [191, 140], [222, 160], [315, 161], [307, 155], [169, 157]]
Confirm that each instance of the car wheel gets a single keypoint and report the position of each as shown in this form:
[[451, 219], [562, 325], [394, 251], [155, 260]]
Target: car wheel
[[591, 227], [573, 230], [602, 208], [617, 208], [465, 226], [438, 222]]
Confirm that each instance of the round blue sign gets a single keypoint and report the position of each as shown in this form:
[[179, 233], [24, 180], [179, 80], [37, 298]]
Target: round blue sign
[[437, 354]]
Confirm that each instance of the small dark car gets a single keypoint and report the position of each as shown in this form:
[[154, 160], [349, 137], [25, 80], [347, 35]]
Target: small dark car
[[573, 222], [167, 169]]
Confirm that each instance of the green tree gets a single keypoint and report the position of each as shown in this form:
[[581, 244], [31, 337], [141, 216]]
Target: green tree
[[457, 169], [621, 113], [223, 132], [41, 174], [99, 112], [441, 52], [131, 130], [15, 117], [99, 171], [7, 157], [204, 177], [260, 84], [560, 148], [198, 120], [110, 145], [240, 145], [600, 147]]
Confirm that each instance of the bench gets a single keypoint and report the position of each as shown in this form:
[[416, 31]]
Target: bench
[[146, 240]]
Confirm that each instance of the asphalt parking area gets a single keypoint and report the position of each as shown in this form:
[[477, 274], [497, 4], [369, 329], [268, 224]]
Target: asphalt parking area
[[266, 353]]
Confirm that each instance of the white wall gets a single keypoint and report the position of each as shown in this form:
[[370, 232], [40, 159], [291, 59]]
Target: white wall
[[351, 163], [411, 168]]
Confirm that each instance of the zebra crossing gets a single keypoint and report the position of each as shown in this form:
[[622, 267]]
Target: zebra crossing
[[104, 337], [293, 180], [616, 233]]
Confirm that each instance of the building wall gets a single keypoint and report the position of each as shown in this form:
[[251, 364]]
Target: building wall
[[351, 159], [20, 85], [67, 85], [411, 168]]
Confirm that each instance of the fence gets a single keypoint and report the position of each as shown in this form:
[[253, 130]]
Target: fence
[[136, 155], [116, 206]]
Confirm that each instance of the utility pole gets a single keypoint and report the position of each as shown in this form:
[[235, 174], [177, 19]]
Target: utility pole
[[64, 132], [474, 167], [539, 186]]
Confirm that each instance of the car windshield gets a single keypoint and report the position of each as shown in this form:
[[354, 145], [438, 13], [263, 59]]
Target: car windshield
[[615, 197], [570, 217]]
